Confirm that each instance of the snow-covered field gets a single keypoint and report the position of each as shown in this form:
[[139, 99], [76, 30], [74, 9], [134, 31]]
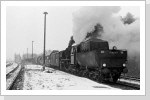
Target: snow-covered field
[[36, 79]]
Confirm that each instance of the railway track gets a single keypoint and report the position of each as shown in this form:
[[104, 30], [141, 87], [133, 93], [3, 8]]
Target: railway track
[[121, 85], [11, 68], [130, 81], [124, 85], [12, 76], [8, 74], [130, 78], [130, 85], [9, 64]]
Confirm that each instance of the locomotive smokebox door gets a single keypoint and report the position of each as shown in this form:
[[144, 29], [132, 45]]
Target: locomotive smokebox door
[[72, 55]]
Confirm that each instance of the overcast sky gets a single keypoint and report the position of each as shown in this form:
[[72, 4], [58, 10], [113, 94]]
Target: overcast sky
[[26, 24]]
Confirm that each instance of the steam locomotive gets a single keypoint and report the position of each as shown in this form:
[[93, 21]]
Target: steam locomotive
[[91, 58]]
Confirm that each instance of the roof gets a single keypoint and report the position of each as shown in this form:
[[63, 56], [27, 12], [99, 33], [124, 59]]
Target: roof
[[54, 51]]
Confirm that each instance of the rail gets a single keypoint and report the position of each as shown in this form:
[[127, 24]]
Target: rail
[[130, 78], [14, 74], [7, 73]]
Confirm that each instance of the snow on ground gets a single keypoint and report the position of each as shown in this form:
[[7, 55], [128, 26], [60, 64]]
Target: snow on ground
[[36, 79]]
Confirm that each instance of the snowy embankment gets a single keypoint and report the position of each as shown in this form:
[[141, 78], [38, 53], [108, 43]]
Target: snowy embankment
[[10, 68], [12, 77], [51, 79]]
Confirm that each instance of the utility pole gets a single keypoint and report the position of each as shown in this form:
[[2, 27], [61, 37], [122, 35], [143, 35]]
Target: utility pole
[[15, 58], [27, 54], [44, 39], [23, 57], [32, 52]]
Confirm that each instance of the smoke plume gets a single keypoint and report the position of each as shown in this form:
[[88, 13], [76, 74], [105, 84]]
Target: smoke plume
[[121, 32], [115, 30]]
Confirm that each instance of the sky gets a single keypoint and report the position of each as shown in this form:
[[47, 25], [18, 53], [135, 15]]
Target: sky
[[26, 24]]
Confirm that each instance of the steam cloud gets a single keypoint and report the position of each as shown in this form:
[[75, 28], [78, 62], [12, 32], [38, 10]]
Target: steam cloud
[[124, 36]]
